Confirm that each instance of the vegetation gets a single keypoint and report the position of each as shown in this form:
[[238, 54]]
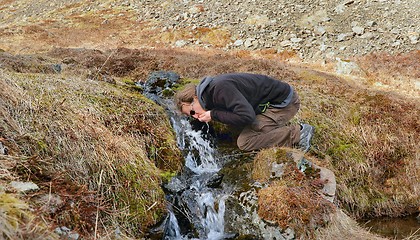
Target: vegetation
[[87, 135], [94, 143]]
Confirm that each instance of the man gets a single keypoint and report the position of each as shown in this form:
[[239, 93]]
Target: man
[[261, 105]]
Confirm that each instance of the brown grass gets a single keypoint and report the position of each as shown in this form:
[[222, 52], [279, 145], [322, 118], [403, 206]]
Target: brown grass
[[292, 200], [87, 130], [369, 139], [89, 122]]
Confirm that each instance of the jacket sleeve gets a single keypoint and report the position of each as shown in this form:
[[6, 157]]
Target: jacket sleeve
[[231, 107]]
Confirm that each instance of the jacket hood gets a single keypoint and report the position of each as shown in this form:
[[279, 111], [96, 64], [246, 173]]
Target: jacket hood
[[200, 89]]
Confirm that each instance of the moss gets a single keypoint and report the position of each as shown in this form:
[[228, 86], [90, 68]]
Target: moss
[[18, 222], [167, 176]]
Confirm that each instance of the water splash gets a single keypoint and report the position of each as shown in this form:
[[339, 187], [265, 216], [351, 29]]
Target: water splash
[[208, 207]]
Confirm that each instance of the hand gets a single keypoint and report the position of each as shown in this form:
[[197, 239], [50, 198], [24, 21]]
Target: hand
[[204, 117]]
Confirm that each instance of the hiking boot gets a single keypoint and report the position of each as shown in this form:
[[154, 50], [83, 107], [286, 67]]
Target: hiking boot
[[306, 134]]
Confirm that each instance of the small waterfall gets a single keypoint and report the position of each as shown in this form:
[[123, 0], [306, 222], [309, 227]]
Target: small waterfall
[[204, 205], [172, 228], [196, 203]]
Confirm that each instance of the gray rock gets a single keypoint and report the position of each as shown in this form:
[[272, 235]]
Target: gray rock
[[330, 185], [24, 187], [238, 43], [346, 67], [181, 43], [296, 40], [277, 170], [175, 185], [289, 234], [3, 149], [413, 37], [358, 30], [368, 35], [249, 42], [343, 37], [320, 30], [66, 232]]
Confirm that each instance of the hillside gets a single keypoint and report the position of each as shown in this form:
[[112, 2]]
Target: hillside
[[75, 123]]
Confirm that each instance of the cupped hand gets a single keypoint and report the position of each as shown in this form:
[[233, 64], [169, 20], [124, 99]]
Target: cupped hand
[[204, 117]]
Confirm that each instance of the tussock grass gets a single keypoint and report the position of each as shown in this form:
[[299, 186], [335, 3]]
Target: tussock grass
[[17, 221], [103, 143], [292, 200], [369, 139]]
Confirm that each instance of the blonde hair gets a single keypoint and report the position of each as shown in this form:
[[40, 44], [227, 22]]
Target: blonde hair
[[185, 95]]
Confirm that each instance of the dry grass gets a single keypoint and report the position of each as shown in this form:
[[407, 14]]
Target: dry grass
[[102, 129], [369, 139], [90, 132], [293, 200], [17, 221], [343, 227]]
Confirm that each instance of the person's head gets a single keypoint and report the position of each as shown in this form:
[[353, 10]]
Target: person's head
[[187, 102]]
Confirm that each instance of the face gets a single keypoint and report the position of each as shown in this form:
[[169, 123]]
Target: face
[[192, 109]]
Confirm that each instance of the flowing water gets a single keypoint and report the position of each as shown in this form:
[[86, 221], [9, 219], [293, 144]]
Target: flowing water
[[197, 197]]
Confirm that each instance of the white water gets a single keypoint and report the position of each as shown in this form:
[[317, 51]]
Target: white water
[[200, 159], [206, 153]]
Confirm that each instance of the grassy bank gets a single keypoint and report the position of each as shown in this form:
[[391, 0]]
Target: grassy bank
[[95, 144]]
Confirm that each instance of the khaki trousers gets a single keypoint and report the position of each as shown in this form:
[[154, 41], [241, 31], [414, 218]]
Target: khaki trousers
[[271, 128]]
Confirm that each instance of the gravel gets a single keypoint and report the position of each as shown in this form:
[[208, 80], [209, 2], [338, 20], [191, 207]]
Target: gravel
[[313, 29]]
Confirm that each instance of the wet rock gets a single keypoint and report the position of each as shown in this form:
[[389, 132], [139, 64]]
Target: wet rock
[[175, 185], [159, 84], [215, 180]]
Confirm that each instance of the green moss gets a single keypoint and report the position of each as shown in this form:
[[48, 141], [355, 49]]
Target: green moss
[[167, 176]]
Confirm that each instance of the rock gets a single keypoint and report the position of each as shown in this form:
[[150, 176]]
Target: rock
[[238, 43], [181, 43], [258, 20], [24, 187], [343, 37], [347, 67], [368, 35], [358, 30], [277, 170], [215, 180], [289, 234], [330, 185], [320, 30], [249, 42], [285, 43], [413, 37], [3, 149], [314, 19], [296, 40], [66, 232], [175, 185]]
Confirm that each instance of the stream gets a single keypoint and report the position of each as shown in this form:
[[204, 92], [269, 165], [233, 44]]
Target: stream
[[213, 197]]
